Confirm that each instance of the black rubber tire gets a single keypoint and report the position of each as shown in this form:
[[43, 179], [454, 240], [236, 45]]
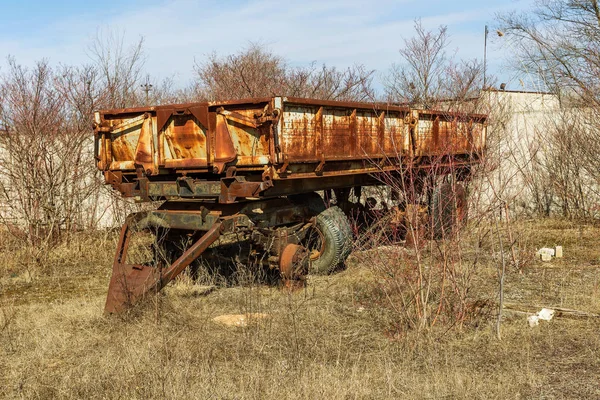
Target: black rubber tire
[[336, 232]]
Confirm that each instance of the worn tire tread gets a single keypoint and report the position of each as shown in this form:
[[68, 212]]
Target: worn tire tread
[[337, 232]]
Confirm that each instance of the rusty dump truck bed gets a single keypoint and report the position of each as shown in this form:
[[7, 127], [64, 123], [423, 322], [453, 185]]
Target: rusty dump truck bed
[[273, 146], [231, 168]]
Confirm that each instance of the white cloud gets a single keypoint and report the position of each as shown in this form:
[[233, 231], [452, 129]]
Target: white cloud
[[177, 32]]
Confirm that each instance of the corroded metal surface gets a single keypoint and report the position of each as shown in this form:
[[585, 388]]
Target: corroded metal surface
[[234, 161], [188, 150], [293, 265], [272, 225], [131, 282]]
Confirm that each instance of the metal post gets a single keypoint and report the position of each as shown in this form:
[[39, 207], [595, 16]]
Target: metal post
[[147, 87], [485, 57]]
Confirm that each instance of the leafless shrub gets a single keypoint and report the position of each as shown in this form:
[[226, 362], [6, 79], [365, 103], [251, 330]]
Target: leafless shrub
[[45, 160], [256, 72], [557, 42], [118, 69], [49, 184], [560, 177], [432, 282], [428, 75]]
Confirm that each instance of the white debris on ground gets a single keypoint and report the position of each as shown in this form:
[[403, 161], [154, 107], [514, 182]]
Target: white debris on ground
[[546, 253], [546, 250], [533, 320], [545, 314], [240, 320], [558, 251]]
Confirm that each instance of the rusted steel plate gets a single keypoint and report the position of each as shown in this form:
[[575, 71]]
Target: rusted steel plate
[[314, 133], [129, 283], [185, 138], [439, 134], [293, 262]]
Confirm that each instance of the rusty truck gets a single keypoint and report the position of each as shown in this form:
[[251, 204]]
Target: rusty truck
[[255, 167]]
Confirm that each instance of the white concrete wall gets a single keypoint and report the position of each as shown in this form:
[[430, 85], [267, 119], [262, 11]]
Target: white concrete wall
[[519, 138]]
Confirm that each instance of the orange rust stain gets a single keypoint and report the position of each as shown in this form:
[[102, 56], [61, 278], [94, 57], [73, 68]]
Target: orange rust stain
[[336, 133], [394, 135], [300, 131], [122, 150], [248, 142], [143, 154], [186, 138]]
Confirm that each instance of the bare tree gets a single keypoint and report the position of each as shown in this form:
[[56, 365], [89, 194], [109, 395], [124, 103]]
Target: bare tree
[[256, 72], [329, 83], [428, 75], [49, 183], [250, 73], [118, 68], [419, 78], [558, 42], [45, 163], [463, 81]]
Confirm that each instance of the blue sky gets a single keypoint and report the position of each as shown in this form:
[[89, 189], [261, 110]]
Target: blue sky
[[179, 32]]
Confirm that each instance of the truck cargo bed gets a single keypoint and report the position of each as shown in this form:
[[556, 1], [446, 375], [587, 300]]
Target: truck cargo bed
[[275, 146]]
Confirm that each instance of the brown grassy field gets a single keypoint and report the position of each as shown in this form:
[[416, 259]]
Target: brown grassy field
[[329, 340]]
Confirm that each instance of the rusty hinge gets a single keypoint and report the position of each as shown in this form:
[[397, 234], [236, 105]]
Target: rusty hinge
[[237, 186]]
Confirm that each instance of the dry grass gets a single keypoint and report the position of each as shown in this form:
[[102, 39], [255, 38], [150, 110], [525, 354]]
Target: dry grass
[[327, 341]]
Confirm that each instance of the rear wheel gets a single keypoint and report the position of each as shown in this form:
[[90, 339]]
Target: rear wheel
[[329, 242]]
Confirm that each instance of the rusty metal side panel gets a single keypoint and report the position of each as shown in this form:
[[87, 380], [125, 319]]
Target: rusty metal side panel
[[367, 133], [380, 134], [125, 136], [250, 143], [301, 132], [438, 134], [133, 140], [338, 139], [395, 137], [183, 143], [296, 136], [314, 133]]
